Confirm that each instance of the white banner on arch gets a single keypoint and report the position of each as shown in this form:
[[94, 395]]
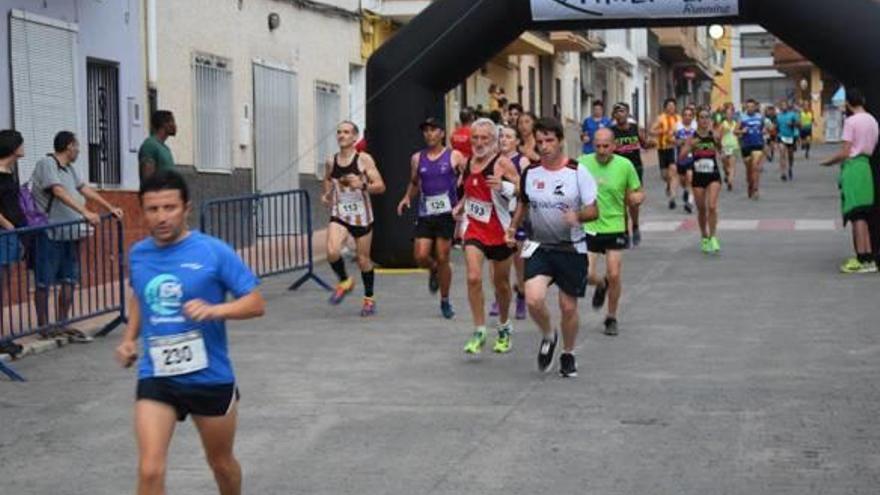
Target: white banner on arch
[[561, 10]]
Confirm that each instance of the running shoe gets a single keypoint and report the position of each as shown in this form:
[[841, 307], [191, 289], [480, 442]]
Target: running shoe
[[869, 267], [369, 308], [433, 282], [715, 244], [637, 237], [599, 295], [546, 351], [11, 348], [611, 327], [476, 342], [494, 311], [446, 310], [783, 178], [502, 342], [567, 365], [75, 336], [520, 307], [852, 265], [688, 208], [705, 245], [342, 289], [672, 203]]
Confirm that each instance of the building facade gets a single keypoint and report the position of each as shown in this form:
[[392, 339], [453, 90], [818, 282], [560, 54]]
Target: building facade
[[257, 88], [76, 66]]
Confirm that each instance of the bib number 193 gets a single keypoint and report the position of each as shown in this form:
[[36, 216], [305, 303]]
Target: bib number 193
[[479, 210]]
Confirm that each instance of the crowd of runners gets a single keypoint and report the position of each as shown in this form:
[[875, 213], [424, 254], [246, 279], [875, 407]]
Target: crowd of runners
[[505, 192]]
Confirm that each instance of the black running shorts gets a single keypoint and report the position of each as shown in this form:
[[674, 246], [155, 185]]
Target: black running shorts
[[356, 231], [204, 400], [666, 158], [602, 243], [702, 181], [494, 253], [567, 270], [435, 227]]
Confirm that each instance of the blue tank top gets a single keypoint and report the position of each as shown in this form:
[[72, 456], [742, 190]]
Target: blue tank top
[[439, 182], [753, 125]]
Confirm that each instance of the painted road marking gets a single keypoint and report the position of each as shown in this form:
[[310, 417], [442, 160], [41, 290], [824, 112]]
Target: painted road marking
[[741, 225]]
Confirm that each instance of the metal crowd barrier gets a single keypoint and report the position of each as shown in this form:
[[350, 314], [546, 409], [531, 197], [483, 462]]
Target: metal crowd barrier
[[31, 257], [271, 232]]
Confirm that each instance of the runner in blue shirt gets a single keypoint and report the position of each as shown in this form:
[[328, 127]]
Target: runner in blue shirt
[[752, 131], [789, 123], [592, 124], [180, 280]]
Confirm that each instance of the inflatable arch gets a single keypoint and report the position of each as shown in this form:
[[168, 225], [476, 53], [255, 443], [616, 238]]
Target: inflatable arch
[[409, 75]]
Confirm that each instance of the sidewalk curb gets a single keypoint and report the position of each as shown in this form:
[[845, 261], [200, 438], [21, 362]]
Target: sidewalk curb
[[42, 346]]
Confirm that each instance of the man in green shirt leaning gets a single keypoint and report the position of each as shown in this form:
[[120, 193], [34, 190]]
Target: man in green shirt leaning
[[618, 187], [154, 154]]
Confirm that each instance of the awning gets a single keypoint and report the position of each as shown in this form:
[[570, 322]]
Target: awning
[[569, 41], [529, 44]]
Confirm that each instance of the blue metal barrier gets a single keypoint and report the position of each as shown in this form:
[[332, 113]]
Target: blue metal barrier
[[57, 275], [271, 232]]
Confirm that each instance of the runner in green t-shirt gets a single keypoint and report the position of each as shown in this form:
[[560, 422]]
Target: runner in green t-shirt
[[619, 186]]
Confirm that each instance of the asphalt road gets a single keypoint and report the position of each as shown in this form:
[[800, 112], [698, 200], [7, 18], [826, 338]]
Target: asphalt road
[[752, 372]]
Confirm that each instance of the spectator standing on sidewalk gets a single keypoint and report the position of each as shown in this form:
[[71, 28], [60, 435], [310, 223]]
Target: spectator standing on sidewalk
[[154, 154], [857, 194], [60, 192], [11, 217]]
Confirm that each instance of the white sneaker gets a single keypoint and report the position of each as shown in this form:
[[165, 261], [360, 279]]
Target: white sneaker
[[869, 267]]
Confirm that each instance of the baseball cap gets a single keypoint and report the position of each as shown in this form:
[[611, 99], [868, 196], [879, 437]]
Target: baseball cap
[[431, 122]]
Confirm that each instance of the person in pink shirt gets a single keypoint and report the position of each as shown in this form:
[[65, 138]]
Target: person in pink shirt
[[857, 194]]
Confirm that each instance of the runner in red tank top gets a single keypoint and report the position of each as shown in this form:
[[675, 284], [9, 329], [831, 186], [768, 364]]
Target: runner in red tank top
[[489, 182]]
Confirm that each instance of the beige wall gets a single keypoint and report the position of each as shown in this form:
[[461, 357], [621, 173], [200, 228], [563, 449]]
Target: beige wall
[[315, 46]]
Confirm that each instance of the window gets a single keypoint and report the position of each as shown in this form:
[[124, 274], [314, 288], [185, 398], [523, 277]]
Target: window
[[767, 90], [557, 99], [212, 113], [102, 79], [757, 45], [326, 119], [533, 89], [357, 92], [44, 98]]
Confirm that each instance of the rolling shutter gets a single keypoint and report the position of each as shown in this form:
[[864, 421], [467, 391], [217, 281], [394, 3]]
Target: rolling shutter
[[42, 60]]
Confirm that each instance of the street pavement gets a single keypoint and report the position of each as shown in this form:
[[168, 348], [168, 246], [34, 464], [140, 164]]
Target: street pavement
[[752, 372]]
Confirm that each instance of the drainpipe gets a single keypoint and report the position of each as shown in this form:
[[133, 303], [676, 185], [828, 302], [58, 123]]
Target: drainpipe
[[152, 57]]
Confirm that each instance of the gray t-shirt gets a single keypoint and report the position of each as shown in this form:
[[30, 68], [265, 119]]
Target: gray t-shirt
[[48, 173]]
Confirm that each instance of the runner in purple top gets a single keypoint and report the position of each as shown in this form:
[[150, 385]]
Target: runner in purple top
[[434, 179]]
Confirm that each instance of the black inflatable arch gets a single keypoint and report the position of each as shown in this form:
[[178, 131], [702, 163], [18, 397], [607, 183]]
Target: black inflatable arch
[[409, 75]]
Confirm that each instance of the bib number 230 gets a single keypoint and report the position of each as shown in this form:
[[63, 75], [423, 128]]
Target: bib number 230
[[178, 354]]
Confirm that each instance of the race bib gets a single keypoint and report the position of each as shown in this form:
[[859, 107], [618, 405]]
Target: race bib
[[528, 249], [787, 140], [479, 210], [704, 166], [353, 207], [178, 354], [438, 204]]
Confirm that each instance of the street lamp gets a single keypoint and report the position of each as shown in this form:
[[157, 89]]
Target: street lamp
[[716, 31]]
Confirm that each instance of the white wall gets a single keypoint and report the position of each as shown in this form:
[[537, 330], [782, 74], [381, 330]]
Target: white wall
[[317, 47], [748, 68]]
